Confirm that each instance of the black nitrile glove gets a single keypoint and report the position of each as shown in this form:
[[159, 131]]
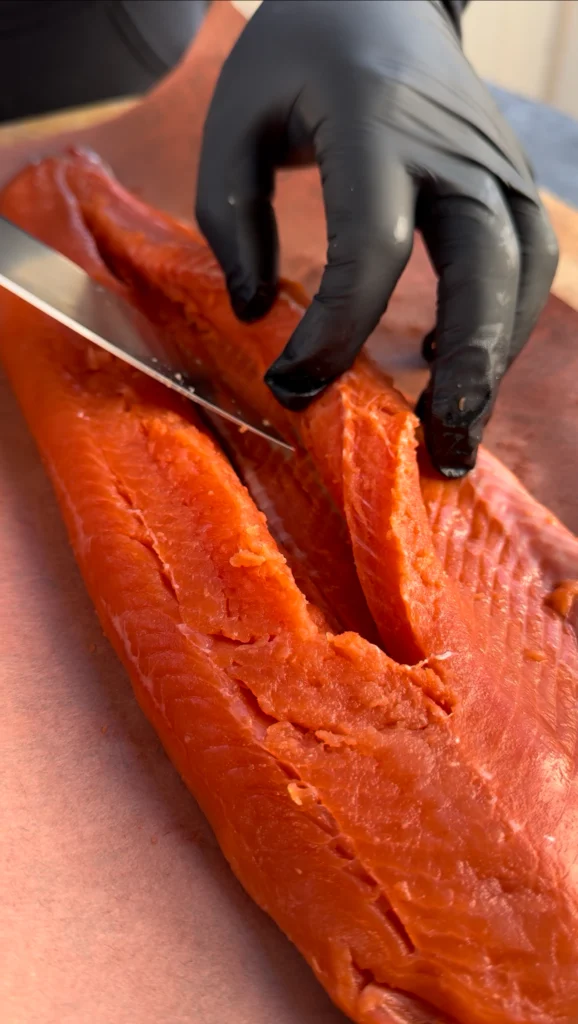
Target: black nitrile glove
[[380, 95]]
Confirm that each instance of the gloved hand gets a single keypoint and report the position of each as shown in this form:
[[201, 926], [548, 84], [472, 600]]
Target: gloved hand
[[380, 95]]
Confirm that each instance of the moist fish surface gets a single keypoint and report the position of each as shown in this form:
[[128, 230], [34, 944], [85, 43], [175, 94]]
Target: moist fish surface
[[366, 675]]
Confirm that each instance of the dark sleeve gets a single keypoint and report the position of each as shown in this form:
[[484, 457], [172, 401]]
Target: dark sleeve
[[85, 52], [455, 9]]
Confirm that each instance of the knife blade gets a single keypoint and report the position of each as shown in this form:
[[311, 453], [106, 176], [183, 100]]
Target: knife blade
[[65, 292]]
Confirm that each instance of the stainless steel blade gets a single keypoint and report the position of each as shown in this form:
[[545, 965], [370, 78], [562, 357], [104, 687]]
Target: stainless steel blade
[[61, 289]]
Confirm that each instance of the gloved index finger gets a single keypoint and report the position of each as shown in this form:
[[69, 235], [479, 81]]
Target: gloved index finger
[[236, 181], [369, 202]]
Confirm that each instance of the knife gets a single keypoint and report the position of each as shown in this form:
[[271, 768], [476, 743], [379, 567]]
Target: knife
[[64, 291]]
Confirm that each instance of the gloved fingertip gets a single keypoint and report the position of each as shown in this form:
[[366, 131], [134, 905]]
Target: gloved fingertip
[[454, 472], [428, 348], [290, 401], [254, 306], [452, 441], [294, 391], [454, 457]]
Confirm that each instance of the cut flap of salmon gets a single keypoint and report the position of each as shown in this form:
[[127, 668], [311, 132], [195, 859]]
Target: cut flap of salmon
[[408, 818], [486, 523]]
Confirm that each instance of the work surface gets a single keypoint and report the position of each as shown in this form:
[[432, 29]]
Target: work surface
[[117, 906]]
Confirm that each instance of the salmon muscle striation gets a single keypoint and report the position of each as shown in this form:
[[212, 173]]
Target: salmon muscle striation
[[366, 676]]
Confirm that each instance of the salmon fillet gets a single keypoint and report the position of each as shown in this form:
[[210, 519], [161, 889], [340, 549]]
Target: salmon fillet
[[366, 675]]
